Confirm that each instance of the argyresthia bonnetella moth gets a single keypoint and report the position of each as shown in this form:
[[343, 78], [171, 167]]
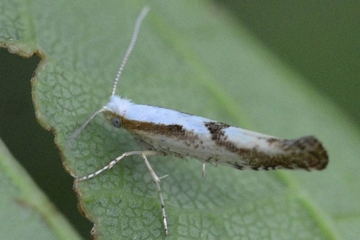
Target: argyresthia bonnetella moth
[[168, 132]]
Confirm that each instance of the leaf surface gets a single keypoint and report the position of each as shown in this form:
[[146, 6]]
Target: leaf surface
[[193, 58], [25, 212]]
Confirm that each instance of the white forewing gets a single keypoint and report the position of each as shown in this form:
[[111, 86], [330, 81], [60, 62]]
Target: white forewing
[[181, 134]]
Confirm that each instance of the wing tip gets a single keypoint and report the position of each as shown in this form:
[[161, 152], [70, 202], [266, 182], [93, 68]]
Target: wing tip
[[315, 153]]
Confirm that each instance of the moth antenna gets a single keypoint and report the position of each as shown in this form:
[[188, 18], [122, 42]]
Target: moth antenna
[[78, 131], [138, 22], [140, 18]]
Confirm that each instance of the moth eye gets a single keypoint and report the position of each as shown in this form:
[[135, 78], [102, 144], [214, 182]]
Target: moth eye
[[116, 122]]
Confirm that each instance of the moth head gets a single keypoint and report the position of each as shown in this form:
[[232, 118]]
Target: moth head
[[113, 112], [118, 105], [113, 118]]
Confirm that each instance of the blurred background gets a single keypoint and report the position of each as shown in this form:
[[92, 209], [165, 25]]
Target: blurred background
[[317, 39]]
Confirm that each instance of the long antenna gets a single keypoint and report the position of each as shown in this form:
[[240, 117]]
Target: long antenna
[[140, 18], [78, 131]]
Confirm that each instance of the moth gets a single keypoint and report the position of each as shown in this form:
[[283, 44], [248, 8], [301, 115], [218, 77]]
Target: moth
[[169, 132]]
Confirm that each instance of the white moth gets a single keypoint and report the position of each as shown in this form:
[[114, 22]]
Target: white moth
[[168, 132]]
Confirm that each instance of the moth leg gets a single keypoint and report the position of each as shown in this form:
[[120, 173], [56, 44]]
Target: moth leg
[[114, 162], [157, 183], [203, 171], [163, 176], [156, 179]]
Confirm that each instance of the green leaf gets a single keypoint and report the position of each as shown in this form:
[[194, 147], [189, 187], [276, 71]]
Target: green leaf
[[193, 58], [25, 212]]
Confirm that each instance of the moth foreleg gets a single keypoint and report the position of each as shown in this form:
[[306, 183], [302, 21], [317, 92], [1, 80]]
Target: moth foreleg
[[114, 162], [157, 183]]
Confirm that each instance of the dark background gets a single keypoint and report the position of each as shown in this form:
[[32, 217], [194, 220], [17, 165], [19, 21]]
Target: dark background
[[318, 39]]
